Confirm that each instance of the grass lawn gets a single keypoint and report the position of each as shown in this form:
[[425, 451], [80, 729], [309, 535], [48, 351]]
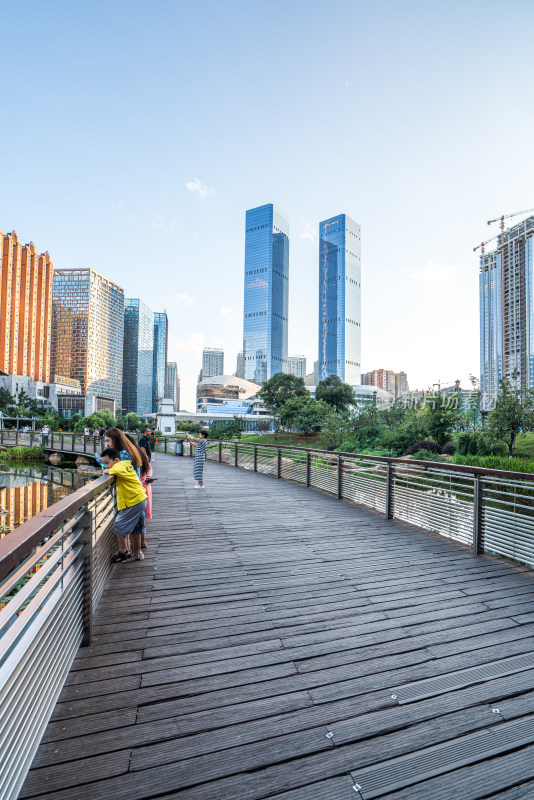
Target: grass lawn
[[524, 446]]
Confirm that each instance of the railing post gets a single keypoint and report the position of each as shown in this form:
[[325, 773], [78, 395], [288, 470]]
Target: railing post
[[220, 452], [52, 440], [308, 468], [279, 464], [17, 437], [87, 538], [2, 436], [165, 449], [31, 438], [339, 477], [84, 443], [190, 450], [477, 508], [62, 443], [236, 456], [389, 491], [255, 458]]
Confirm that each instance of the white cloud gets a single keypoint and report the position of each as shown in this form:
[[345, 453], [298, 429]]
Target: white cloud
[[434, 274], [181, 300], [310, 233], [193, 344], [202, 190], [159, 224], [229, 313]]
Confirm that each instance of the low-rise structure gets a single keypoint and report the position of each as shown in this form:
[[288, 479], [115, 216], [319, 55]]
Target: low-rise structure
[[227, 394]]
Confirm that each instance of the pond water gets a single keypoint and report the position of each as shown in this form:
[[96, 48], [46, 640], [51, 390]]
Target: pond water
[[26, 490]]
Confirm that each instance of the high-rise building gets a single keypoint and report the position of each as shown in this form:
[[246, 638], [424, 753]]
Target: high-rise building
[[25, 309], [266, 293], [160, 358], [138, 357], [212, 362], [340, 299], [506, 286], [240, 367], [87, 331], [296, 365], [172, 384], [396, 383]]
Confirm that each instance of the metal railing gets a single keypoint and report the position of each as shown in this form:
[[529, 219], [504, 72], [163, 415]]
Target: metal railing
[[490, 510], [56, 440], [53, 570]]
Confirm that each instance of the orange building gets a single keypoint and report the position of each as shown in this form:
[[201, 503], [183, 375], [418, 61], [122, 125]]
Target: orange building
[[25, 309]]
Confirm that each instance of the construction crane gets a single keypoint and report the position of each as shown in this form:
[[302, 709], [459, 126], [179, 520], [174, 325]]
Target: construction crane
[[507, 216], [483, 244]]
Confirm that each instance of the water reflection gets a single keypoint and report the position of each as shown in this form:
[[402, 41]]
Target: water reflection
[[25, 491]]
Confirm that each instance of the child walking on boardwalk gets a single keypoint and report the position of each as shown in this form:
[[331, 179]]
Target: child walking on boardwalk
[[131, 501]]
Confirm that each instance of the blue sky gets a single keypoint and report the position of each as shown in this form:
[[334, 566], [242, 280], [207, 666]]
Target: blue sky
[[134, 137]]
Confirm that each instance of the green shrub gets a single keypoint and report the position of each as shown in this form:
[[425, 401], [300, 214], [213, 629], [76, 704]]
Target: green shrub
[[478, 443], [449, 449], [22, 454], [426, 444], [426, 455]]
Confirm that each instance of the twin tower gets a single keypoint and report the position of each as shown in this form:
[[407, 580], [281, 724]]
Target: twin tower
[[267, 295]]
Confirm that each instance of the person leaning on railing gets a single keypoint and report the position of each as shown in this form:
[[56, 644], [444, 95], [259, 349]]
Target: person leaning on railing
[[131, 501], [200, 457]]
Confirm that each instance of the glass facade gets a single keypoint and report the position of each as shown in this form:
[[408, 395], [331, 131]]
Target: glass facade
[[87, 331], [266, 293], [212, 362], [340, 299], [296, 365], [172, 384], [160, 358], [138, 358], [491, 334]]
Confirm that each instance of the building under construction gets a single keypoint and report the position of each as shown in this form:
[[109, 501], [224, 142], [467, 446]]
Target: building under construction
[[507, 311]]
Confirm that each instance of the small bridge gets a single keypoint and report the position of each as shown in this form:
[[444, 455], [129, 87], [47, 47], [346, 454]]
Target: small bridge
[[276, 642]]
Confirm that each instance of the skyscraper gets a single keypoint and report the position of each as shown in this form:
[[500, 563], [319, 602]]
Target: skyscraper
[[296, 365], [266, 293], [160, 358], [212, 362], [506, 286], [172, 384], [87, 331], [240, 366], [340, 299], [138, 357], [25, 309]]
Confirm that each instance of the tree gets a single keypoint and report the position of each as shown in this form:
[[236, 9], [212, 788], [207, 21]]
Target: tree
[[337, 394], [304, 414], [7, 401], [512, 413], [279, 389], [442, 419]]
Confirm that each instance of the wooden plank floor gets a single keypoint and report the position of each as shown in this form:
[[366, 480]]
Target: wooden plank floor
[[267, 616]]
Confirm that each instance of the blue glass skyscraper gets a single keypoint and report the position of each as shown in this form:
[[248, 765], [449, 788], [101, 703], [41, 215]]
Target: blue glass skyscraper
[[340, 299], [138, 357], [266, 293], [159, 364]]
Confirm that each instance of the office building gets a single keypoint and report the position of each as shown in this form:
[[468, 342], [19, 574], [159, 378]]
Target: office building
[[240, 366], [266, 293], [296, 365], [159, 364], [340, 299], [138, 357], [172, 384], [212, 362], [87, 331], [401, 384], [506, 286], [25, 309]]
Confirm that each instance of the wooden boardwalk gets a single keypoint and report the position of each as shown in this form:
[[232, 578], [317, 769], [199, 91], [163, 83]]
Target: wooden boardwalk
[[267, 617]]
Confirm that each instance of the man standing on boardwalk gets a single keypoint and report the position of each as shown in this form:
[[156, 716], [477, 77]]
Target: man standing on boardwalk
[[144, 444]]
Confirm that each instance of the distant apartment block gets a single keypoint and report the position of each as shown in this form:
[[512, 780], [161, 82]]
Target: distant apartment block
[[212, 362], [340, 299], [88, 331], [25, 309], [296, 365], [159, 364], [172, 384], [240, 365], [396, 383], [506, 290], [265, 320]]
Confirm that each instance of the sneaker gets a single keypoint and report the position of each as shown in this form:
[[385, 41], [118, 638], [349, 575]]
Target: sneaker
[[198, 487], [138, 557]]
